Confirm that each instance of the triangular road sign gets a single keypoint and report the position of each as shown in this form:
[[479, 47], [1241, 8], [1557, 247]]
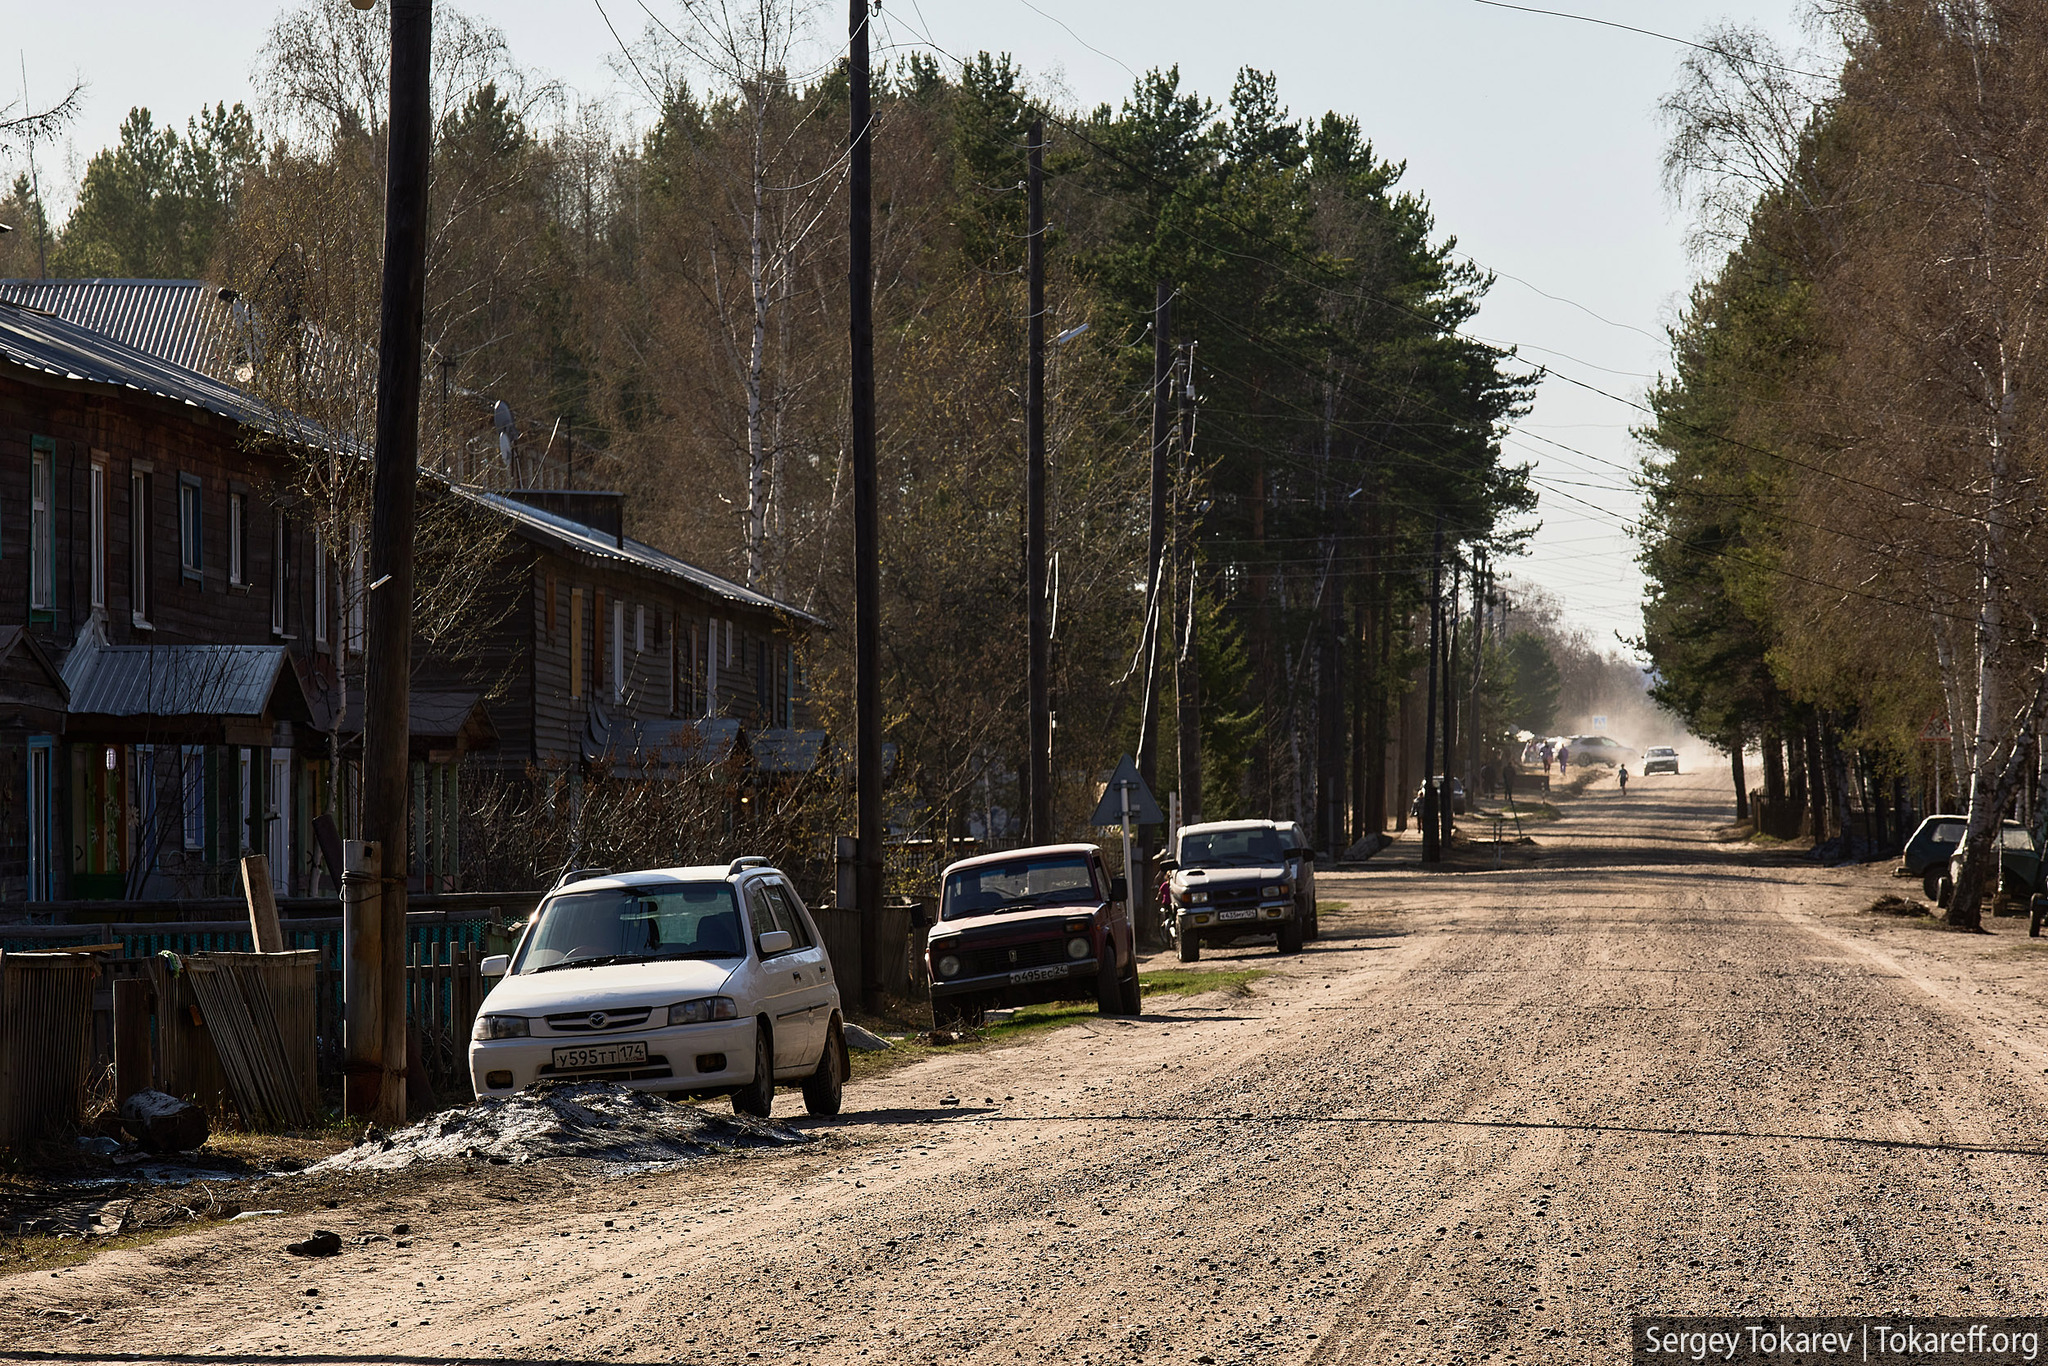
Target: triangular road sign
[[1144, 809]]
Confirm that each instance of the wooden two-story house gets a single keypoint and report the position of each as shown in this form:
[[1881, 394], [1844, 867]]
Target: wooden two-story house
[[180, 658]]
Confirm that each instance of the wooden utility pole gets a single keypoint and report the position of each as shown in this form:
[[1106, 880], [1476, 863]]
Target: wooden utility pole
[[1432, 848], [387, 692], [867, 562], [1162, 436], [1038, 766], [1187, 660], [1447, 809]]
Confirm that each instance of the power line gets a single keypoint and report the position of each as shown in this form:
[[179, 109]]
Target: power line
[[1652, 33]]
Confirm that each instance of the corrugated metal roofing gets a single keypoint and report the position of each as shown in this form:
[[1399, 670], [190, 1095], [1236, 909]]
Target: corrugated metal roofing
[[590, 541], [180, 680], [182, 321], [37, 340]]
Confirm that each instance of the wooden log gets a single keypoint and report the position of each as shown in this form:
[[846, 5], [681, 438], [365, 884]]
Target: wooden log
[[264, 931], [131, 1037]]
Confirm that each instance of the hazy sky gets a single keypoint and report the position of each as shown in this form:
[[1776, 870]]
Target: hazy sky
[[1535, 139]]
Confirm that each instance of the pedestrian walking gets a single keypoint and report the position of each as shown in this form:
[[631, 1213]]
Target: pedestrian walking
[[1507, 780], [1622, 775], [1564, 761]]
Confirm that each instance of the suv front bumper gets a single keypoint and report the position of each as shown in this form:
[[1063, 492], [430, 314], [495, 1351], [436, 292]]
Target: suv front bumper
[[1269, 915]]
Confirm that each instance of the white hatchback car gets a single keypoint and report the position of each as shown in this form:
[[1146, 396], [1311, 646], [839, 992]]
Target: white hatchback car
[[708, 981]]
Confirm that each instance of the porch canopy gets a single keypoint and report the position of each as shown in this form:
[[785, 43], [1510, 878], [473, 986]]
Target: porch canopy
[[183, 694]]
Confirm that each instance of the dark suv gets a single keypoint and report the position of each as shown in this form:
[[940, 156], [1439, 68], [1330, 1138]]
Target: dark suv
[[1233, 879], [1033, 925]]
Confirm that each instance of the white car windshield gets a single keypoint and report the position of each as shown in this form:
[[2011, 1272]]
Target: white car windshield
[[986, 888], [1256, 846], [634, 925]]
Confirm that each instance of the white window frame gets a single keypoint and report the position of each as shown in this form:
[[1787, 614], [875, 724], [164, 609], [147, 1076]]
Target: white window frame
[[42, 530], [191, 528], [141, 532], [640, 629], [280, 583], [711, 668], [238, 539], [352, 594], [96, 526], [618, 652], [193, 786], [320, 591]]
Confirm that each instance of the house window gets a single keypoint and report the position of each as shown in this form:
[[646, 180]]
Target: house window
[[321, 569], [194, 795], [352, 593], [238, 539], [575, 642], [140, 479], [42, 542], [280, 574], [191, 554], [730, 636], [711, 666], [618, 652], [97, 528]]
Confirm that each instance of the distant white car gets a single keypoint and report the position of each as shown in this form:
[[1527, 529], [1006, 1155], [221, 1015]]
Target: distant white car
[[709, 980], [1660, 759]]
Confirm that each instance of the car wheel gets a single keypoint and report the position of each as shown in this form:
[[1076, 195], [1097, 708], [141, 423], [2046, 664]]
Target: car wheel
[[824, 1087], [1930, 884], [757, 1097], [1290, 936], [2037, 911], [1109, 993], [1132, 992], [1314, 930]]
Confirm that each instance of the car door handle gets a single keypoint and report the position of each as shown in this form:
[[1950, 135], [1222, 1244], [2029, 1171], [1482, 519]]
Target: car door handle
[[799, 976]]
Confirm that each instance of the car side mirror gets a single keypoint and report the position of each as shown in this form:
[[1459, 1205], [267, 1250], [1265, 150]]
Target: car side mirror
[[1119, 888], [1168, 864], [496, 965], [776, 941]]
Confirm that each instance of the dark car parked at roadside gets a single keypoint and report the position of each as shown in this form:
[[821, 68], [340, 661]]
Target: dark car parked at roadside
[[1033, 925], [1934, 844]]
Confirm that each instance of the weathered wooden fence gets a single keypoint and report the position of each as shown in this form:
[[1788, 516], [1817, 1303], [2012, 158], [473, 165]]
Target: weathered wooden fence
[[45, 1044]]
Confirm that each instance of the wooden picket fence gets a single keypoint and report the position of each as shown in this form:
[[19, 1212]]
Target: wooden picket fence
[[444, 988]]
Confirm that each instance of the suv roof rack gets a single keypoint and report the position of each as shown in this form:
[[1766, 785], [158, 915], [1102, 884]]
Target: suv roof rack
[[745, 861], [570, 875]]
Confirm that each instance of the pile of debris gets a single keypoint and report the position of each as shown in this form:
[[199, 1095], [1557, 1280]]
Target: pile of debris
[[592, 1121]]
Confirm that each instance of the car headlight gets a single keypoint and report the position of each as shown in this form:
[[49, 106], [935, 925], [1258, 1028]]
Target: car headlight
[[1198, 898], [1077, 948], [499, 1027], [1275, 889], [702, 1009], [948, 966]]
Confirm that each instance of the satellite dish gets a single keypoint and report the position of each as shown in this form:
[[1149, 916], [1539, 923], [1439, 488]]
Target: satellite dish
[[507, 425]]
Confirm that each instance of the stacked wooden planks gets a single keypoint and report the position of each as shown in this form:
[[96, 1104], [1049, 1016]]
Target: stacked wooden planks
[[46, 1044], [258, 1009]]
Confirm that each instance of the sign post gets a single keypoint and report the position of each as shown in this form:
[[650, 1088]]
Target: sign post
[[1127, 800]]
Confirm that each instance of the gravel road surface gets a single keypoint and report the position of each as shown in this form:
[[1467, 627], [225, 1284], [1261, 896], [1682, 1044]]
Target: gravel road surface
[[1488, 1116]]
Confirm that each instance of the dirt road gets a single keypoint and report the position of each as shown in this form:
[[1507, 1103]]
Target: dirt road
[[1490, 1115]]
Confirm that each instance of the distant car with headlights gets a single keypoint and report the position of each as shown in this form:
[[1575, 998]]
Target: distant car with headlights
[[1233, 880], [1588, 750], [1660, 759], [705, 981], [1029, 926]]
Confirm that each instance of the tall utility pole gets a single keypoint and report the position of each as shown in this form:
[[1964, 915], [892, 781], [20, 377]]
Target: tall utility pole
[[1472, 755], [1162, 437], [1447, 809], [1038, 768], [1187, 668], [867, 565], [388, 675], [1432, 848]]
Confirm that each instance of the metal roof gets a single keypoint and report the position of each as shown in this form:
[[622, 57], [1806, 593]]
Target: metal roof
[[576, 536], [185, 322], [185, 680], [36, 340]]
